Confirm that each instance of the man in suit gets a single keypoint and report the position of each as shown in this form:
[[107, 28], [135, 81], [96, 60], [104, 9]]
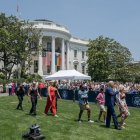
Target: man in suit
[[110, 102]]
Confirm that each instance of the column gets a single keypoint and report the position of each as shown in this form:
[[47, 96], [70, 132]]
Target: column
[[68, 52], [53, 56], [26, 64], [63, 55], [40, 70]]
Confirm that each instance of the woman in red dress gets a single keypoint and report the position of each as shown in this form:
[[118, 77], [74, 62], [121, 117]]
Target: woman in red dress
[[51, 100]]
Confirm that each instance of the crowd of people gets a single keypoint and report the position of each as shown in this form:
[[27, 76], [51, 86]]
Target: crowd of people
[[111, 94], [132, 88], [33, 94]]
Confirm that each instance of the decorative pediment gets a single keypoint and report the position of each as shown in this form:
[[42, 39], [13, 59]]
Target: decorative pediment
[[83, 62], [75, 61]]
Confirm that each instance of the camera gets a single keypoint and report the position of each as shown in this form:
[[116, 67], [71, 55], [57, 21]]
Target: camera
[[34, 133]]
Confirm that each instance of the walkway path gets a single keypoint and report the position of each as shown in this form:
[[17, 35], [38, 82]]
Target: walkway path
[[4, 94]]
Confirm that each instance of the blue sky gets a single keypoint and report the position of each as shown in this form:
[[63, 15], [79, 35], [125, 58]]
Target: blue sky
[[87, 19]]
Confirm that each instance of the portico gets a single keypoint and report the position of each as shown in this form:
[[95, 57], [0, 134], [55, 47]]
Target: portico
[[54, 55]]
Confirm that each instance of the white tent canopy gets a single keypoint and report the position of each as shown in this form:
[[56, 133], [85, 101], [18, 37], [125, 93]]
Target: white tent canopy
[[68, 75]]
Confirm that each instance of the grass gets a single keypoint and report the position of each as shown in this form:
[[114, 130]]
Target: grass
[[13, 123]]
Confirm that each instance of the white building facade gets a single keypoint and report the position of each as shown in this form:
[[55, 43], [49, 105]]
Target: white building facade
[[60, 51]]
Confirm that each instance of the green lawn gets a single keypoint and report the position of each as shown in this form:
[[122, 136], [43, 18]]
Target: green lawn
[[13, 123]]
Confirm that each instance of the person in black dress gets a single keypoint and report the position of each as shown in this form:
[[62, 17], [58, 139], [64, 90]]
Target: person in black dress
[[20, 93], [33, 93]]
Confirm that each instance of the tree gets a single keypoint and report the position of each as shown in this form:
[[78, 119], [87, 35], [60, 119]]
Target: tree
[[107, 59], [16, 39], [134, 72], [97, 60]]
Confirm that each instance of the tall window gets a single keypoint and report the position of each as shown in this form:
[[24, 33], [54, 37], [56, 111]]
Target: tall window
[[83, 69], [75, 53], [35, 66], [86, 70], [48, 69], [83, 54], [33, 45], [75, 67], [49, 49]]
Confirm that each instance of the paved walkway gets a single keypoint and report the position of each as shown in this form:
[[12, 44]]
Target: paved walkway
[[4, 94]]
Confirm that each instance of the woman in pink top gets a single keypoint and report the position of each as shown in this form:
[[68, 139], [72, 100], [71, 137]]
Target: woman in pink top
[[40, 87], [101, 100]]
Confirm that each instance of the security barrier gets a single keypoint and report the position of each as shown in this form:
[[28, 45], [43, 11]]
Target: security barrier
[[132, 100]]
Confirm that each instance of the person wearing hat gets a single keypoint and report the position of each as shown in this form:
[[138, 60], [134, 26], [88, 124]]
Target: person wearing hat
[[33, 93], [51, 99]]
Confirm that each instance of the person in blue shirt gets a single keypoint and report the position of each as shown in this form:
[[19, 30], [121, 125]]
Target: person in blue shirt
[[110, 94], [83, 103]]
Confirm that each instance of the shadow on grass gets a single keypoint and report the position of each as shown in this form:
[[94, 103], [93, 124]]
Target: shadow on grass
[[33, 115], [76, 120], [103, 126], [112, 128]]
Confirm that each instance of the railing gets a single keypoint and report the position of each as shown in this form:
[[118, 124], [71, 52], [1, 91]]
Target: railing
[[132, 100], [51, 25]]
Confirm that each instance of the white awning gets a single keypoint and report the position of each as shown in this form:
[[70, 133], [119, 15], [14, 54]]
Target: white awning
[[68, 75]]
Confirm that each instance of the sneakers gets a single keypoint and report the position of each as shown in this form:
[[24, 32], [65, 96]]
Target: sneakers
[[33, 114], [90, 121], [56, 116], [124, 124], [80, 121], [122, 127]]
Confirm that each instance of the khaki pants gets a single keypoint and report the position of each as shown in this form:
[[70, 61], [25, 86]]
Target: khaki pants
[[84, 107]]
